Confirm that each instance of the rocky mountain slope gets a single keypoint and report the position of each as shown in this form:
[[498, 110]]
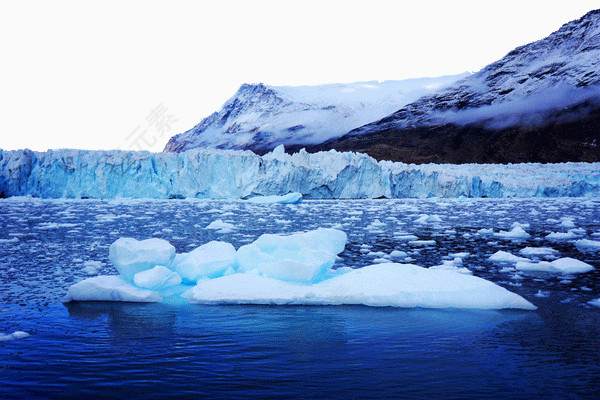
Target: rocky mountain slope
[[260, 117], [540, 103]]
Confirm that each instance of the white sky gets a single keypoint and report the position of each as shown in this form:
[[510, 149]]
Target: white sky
[[82, 74]]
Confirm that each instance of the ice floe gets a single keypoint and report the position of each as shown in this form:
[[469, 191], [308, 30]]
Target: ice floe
[[220, 226], [504, 256], [561, 235], [290, 198], [564, 265], [538, 251], [109, 288], [516, 233], [396, 285], [594, 302], [587, 244], [13, 336]]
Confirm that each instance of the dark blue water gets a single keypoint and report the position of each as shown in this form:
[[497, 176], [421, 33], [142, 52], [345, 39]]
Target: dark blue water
[[112, 350]]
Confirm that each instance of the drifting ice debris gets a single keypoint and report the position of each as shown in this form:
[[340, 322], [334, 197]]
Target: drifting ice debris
[[290, 198], [538, 251], [516, 233], [586, 244], [565, 265], [504, 256], [14, 336]]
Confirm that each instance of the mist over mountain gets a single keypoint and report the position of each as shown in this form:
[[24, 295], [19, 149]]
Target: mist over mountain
[[260, 117], [539, 103]]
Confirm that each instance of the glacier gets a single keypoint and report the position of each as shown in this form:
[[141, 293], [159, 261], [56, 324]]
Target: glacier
[[238, 174]]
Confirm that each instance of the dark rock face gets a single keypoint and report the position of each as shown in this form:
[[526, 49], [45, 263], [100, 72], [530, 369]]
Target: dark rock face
[[540, 103], [560, 140]]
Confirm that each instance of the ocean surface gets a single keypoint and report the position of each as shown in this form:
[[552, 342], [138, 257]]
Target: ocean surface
[[127, 350]]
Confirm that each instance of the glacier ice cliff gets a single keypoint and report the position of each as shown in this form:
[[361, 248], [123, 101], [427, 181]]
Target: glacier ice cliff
[[232, 174]]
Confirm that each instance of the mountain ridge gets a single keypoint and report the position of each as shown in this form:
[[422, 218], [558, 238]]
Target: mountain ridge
[[259, 117]]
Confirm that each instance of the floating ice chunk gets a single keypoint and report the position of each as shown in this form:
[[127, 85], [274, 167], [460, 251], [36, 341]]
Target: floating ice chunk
[[459, 255], [595, 302], [109, 288], [14, 336], [54, 225], [565, 265], [453, 266], [428, 219], [377, 223], [406, 237], [569, 265], [422, 243], [130, 256], [375, 226], [11, 240], [290, 198], [207, 261], [516, 233], [396, 285], [586, 244], [518, 224], [561, 236], [538, 251], [484, 231], [220, 226], [159, 277], [504, 256], [398, 254], [91, 267], [303, 257], [541, 293], [567, 222]]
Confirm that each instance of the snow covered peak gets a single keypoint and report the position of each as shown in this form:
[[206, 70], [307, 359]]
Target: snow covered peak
[[550, 71], [260, 117]]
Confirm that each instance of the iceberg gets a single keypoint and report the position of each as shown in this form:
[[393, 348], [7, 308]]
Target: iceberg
[[157, 278], [220, 226], [233, 174], [285, 269], [564, 265], [290, 198], [130, 256], [587, 244], [516, 233], [506, 257], [304, 257], [538, 251], [595, 302], [380, 285], [109, 288], [14, 336], [207, 261]]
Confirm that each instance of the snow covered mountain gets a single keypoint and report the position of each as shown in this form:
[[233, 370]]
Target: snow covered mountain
[[260, 117], [234, 174], [541, 102]]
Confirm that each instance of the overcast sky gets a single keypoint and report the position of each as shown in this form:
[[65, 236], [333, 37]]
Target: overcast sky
[[91, 75]]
